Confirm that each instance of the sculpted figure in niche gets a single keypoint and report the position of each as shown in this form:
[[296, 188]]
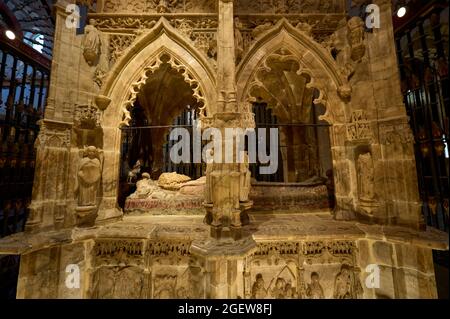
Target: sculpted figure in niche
[[314, 290], [91, 43], [344, 285], [356, 38], [279, 291], [245, 180], [289, 292], [258, 290], [89, 174], [238, 40], [366, 177]]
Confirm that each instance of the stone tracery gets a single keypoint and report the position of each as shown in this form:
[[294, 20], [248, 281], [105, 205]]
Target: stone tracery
[[303, 255]]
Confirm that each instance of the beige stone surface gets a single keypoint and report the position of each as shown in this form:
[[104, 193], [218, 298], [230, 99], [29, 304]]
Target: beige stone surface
[[225, 59]]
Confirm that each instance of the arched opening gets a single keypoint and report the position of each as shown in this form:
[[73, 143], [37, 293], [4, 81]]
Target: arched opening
[[298, 85], [285, 100], [166, 101]]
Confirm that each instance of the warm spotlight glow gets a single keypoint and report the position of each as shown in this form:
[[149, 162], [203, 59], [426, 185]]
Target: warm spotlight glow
[[401, 12], [10, 34]]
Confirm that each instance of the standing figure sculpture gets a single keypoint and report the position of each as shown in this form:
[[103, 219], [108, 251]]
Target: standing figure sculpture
[[366, 177], [345, 284], [314, 290], [258, 289], [89, 174], [91, 43], [238, 40], [245, 180]]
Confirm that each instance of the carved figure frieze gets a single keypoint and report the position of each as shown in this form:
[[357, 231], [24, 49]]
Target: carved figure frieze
[[118, 282], [305, 269], [88, 177], [346, 286], [315, 290], [178, 281], [164, 286], [91, 43], [258, 289]]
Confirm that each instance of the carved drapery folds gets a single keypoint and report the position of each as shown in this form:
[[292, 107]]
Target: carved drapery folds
[[120, 270], [88, 185], [95, 51], [303, 270], [165, 268]]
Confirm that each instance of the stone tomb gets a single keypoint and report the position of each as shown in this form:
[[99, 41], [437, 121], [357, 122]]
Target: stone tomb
[[222, 56]]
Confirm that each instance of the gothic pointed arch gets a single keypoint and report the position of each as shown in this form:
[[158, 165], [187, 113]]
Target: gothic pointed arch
[[140, 60], [286, 42]]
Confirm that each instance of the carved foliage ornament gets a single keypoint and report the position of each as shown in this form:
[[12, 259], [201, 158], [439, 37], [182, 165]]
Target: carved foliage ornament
[[118, 43], [149, 70], [158, 6], [87, 117]]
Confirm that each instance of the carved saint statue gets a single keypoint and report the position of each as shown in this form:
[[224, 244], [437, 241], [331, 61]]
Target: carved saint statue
[[238, 40], [366, 177], [356, 38], [258, 290], [89, 174], [344, 284], [245, 179], [279, 291], [314, 290], [91, 43]]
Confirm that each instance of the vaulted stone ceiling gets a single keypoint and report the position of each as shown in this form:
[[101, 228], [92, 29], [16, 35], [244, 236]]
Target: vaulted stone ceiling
[[165, 95], [284, 89]]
